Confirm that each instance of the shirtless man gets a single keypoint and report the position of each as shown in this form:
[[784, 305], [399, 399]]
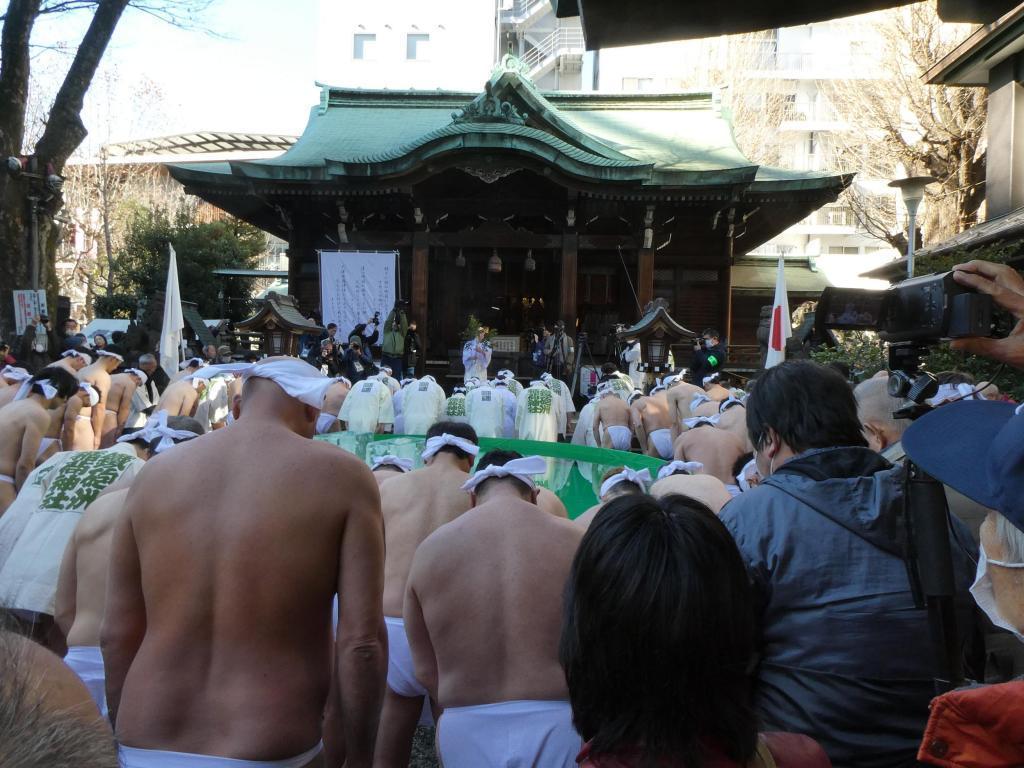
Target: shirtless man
[[678, 399], [616, 482], [186, 368], [612, 413], [678, 477], [268, 546], [715, 448], [12, 378], [732, 418], [119, 403], [89, 432], [483, 613], [73, 360], [23, 426], [333, 402], [415, 505], [387, 467], [82, 584], [181, 397], [652, 424]]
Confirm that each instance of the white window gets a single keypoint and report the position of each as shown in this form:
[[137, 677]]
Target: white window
[[364, 45], [635, 84], [417, 46], [845, 250]]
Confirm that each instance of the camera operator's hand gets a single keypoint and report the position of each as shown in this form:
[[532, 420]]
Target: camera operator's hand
[[1006, 287]]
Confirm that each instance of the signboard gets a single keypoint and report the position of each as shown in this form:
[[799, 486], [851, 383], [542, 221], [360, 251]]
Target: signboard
[[28, 305], [356, 284]]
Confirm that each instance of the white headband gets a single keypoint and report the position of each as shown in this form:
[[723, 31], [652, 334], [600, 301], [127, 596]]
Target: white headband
[[545, 376], [49, 391], [89, 389], [296, 377], [499, 383], [742, 480], [186, 363], [104, 353], [522, 470], [696, 421], [404, 382], [76, 353], [436, 443], [708, 379], [689, 467], [538, 383], [458, 391], [405, 465], [627, 475], [657, 389], [386, 369], [699, 399], [730, 401], [670, 379], [344, 380], [156, 427], [141, 374], [15, 373]]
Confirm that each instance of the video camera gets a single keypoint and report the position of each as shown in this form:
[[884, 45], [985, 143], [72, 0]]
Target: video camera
[[912, 316]]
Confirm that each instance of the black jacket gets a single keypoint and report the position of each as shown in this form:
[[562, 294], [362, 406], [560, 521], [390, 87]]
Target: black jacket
[[412, 347], [707, 361], [368, 341], [356, 365]]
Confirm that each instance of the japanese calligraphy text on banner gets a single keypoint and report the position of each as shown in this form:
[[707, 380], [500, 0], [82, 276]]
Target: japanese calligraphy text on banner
[[28, 305], [356, 284]]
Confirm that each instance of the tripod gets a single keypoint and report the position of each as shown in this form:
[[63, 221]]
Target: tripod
[[582, 344]]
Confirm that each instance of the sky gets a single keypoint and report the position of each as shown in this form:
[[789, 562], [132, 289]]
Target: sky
[[254, 72]]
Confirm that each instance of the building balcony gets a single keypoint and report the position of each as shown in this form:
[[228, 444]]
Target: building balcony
[[523, 14], [563, 42]]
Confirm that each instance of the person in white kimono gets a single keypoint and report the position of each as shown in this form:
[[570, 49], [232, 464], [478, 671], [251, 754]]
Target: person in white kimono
[[390, 382], [455, 408], [509, 406], [584, 432], [510, 380], [368, 407], [423, 405], [631, 357], [538, 413], [485, 409], [561, 390], [476, 356], [399, 406]]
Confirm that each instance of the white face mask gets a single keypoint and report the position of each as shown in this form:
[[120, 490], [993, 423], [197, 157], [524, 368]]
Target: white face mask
[[708, 344], [985, 596]]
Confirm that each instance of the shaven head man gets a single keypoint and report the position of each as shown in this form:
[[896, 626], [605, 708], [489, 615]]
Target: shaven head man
[[90, 432], [415, 505], [23, 425], [251, 566], [82, 584], [182, 396], [616, 482], [875, 407], [74, 360], [483, 612], [611, 420]]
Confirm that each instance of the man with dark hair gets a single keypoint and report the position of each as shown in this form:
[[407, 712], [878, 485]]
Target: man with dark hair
[[415, 505], [615, 482], [496, 675], [708, 356], [657, 639], [845, 656], [24, 423], [546, 499], [260, 555], [89, 430]]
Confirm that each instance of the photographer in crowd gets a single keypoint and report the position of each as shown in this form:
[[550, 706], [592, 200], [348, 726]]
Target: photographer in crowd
[[558, 352], [846, 658], [396, 327], [985, 462], [368, 332], [357, 362], [413, 350], [708, 356]]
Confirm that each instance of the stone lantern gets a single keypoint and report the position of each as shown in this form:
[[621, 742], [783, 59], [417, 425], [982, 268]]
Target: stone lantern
[[657, 332]]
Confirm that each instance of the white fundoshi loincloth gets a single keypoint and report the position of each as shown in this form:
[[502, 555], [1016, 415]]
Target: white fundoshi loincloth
[[133, 757]]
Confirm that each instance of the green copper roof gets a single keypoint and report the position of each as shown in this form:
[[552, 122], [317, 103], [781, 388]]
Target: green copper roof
[[650, 140]]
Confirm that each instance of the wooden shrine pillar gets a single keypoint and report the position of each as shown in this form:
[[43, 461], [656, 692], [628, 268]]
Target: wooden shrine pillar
[[645, 277], [725, 303], [420, 281], [304, 266], [567, 298]]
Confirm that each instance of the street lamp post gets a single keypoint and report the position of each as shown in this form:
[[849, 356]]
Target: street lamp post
[[912, 191], [43, 185]]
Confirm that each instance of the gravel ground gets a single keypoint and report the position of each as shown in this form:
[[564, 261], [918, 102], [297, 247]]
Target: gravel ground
[[423, 755]]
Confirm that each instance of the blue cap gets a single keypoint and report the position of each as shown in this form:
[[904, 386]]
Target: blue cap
[[976, 447]]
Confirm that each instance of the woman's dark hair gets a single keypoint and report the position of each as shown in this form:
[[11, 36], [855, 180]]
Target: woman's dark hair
[[658, 634], [806, 404], [456, 429], [60, 379]]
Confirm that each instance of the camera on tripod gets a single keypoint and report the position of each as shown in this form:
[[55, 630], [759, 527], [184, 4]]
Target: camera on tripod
[[912, 316]]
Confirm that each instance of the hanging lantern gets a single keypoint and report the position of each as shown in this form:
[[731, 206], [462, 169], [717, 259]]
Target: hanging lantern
[[460, 260], [530, 265], [494, 264]]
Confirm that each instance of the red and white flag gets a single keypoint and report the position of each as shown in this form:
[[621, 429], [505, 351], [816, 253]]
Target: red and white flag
[[782, 324]]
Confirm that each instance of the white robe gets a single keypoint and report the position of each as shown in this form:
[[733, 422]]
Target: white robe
[[455, 409], [422, 406], [509, 406], [366, 406], [36, 528], [584, 433], [632, 358], [476, 356], [485, 409], [538, 414], [561, 390]]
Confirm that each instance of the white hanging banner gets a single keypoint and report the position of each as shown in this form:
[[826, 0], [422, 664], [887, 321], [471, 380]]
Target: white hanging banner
[[356, 284]]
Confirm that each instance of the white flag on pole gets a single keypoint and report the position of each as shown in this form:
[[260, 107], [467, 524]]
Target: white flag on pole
[[174, 322], [782, 324]]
